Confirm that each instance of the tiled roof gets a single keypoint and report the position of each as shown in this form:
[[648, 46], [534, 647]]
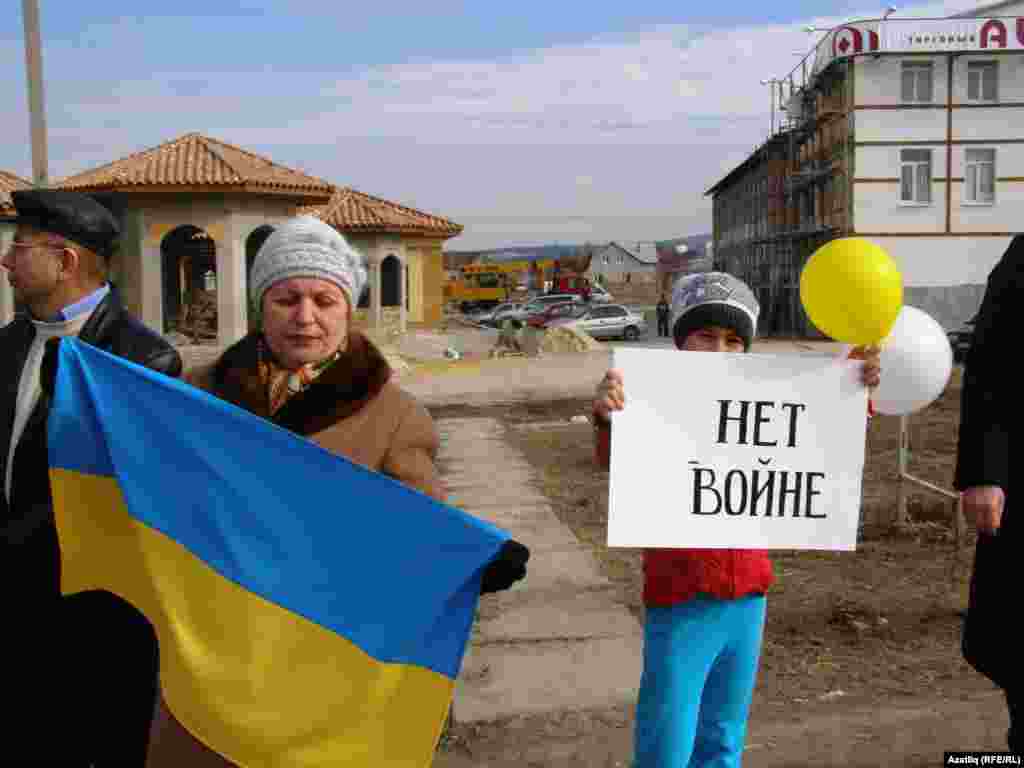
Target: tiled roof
[[194, 160], [643, 252], [639, 253], [8, 183], [352, 211]]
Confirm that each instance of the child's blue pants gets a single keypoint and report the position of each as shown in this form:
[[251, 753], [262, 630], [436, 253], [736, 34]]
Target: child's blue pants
[[700, 666]]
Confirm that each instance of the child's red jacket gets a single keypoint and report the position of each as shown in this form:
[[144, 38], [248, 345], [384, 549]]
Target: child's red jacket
[[675, 575]]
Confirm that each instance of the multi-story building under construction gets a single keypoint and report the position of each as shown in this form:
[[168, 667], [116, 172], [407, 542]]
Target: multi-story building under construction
[[908, 132]]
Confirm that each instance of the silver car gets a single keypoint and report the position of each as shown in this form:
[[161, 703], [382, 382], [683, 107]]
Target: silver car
[[488, 317], [611, 321]]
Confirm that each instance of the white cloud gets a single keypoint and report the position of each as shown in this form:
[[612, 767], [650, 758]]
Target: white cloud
[[611, 139], [644, 89]]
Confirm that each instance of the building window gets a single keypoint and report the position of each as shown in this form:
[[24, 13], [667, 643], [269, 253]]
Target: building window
[[982, 81], [917, 82], [915, 176], [980, 176]]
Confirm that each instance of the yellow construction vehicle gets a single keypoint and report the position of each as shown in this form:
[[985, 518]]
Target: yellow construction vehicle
[[482, 286]]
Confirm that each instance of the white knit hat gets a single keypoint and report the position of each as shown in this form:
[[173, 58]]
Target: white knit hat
[[305, 246]]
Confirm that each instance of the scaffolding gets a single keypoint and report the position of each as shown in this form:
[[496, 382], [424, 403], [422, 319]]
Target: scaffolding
[[790, 196]]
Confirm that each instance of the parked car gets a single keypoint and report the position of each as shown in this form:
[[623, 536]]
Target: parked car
[[488, 316], [571, 310], [610, 321], [515, 310], [960, 341], [537, 305], [599, 295]]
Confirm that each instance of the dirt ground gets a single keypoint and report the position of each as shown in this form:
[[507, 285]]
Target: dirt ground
[[857, 630]]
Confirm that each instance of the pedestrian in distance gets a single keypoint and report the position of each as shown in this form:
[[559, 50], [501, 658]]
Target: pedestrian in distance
[[663, 312]]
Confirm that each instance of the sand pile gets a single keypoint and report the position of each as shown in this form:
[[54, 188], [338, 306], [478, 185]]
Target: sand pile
[[568, 338]]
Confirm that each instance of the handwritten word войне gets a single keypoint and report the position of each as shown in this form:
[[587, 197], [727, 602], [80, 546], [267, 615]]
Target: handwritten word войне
[[757, 494]]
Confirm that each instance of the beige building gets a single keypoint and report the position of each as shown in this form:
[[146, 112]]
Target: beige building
[[403, 248], [8, 183], [194, 211]]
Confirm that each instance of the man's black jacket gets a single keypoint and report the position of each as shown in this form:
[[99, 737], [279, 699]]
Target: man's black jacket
[[29, 553], [990, 411]]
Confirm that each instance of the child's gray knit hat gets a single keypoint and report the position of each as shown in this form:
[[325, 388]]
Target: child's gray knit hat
[[714, 298]]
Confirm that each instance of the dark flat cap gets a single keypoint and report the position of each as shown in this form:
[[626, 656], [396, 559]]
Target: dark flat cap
[[73, 215]]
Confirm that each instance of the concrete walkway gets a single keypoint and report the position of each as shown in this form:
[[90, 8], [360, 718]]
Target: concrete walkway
[[558, 639]]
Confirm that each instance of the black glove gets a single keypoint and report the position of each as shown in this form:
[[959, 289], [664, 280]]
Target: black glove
[[506, 569], [48, 368]]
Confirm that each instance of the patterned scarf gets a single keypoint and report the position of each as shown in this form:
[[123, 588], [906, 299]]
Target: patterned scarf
[[282, 383]]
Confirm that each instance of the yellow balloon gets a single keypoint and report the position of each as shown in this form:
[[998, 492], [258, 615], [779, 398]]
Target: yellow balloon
[[852, 291]]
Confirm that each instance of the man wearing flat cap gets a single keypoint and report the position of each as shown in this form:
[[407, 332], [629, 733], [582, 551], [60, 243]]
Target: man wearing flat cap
[[79, 670]]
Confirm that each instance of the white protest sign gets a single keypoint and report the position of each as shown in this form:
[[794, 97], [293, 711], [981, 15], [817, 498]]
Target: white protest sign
[[736, 451]]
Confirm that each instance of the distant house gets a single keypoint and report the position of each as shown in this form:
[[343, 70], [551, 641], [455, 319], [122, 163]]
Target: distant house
[[683, 256], [8, 183], [625, 263], [456, 260]]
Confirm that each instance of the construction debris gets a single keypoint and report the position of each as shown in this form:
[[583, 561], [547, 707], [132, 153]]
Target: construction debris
[[199, 317], [510, 340]]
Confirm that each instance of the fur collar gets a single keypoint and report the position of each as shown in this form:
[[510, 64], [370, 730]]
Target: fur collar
[[340, 391]]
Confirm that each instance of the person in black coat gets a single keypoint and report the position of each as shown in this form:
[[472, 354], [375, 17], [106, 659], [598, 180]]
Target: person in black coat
[[990, 423], [79, 671], [662, 311]]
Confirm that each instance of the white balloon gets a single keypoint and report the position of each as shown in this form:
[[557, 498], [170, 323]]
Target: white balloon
[[916, 361]]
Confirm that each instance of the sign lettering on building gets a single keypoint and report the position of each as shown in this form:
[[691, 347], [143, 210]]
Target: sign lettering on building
[[921, 36], [953, 35]]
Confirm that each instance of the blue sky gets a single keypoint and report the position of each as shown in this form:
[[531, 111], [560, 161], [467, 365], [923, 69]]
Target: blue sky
[[526, 122]]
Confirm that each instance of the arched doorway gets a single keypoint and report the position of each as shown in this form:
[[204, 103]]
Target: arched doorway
[[253, 243], [189, 259], [390, 281]]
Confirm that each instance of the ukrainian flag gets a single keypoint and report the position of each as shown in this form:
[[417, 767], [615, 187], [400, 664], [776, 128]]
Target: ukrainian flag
[[310, 612]]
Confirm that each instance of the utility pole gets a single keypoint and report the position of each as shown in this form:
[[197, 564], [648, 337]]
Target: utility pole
[[771, 83], [34, 68]]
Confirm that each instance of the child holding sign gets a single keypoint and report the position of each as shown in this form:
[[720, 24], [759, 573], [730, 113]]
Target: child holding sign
[[705, 608]]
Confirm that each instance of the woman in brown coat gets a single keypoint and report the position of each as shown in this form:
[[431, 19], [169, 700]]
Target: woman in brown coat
[[310, 373]]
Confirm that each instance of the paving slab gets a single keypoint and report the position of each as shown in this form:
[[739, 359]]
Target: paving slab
[[583, 615], [503, 680], [559, 638]]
